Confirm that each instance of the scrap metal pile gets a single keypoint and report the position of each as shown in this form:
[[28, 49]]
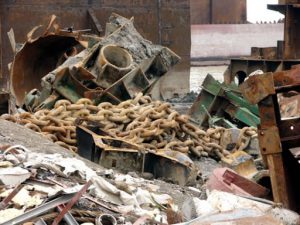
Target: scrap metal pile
[[223, 105], [89, 82], [153, 125], [95, 96], [112, 68], [40, 188]]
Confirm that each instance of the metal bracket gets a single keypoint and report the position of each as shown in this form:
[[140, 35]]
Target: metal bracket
[[269, 140], [258, 87]]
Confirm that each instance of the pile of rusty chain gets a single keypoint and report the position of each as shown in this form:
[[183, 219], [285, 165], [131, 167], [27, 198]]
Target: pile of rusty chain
[[57, 124], [151, 124], [244, 138]]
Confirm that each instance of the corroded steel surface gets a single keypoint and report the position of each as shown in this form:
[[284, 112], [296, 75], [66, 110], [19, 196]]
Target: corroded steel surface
[[161, 21], [229, 11], [200, 12], [278, 134], [288, 50], [44, 55], [212, 11]]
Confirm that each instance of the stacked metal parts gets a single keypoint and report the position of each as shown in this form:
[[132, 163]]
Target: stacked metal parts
[[111, 68]]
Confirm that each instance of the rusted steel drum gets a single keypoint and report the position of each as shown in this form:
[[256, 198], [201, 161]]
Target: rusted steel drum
[[35, 60]]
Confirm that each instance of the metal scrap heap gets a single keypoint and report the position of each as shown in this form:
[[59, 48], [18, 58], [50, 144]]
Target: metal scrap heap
[[39, 188], [153, 125], [76, 65], [96, 97]]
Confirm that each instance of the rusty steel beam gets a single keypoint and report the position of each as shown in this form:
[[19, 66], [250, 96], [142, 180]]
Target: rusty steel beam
[[94, 21], [7, 199], [274, 59], [77, 196], [291, 32], [269, 139], [277, 135]]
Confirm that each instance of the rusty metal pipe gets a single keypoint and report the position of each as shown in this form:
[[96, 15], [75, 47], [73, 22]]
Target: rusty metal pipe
[[115, 56], [113, 63], [106, 219]]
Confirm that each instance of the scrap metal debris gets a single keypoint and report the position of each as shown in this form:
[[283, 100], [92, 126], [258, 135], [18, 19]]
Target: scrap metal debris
[[152, 125], [77, 65], [227, 180], [50, 196], [223, 105], [88, 94], [47, 197], [278, 134]]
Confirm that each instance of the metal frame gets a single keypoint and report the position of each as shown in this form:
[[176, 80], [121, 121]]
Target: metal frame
[[277, 135]]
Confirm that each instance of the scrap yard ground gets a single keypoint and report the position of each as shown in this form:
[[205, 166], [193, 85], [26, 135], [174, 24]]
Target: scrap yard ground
[[109, 119]]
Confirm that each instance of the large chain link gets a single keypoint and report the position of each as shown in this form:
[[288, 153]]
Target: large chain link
[[151, 124]]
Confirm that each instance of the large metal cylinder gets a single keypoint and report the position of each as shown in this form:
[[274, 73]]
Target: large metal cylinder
[[35, 60]]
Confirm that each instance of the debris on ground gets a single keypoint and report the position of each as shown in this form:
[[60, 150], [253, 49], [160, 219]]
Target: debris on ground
[[183, 104], [225, 208], [153, 125], [60, 188], [118, 155], [93, 103], [225, 179], [144, 127], [149, 125], [223, 105], [188, 98]]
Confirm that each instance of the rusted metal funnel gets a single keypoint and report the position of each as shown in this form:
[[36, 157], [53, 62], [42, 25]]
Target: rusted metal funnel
[[113, 63], [36, 59]]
